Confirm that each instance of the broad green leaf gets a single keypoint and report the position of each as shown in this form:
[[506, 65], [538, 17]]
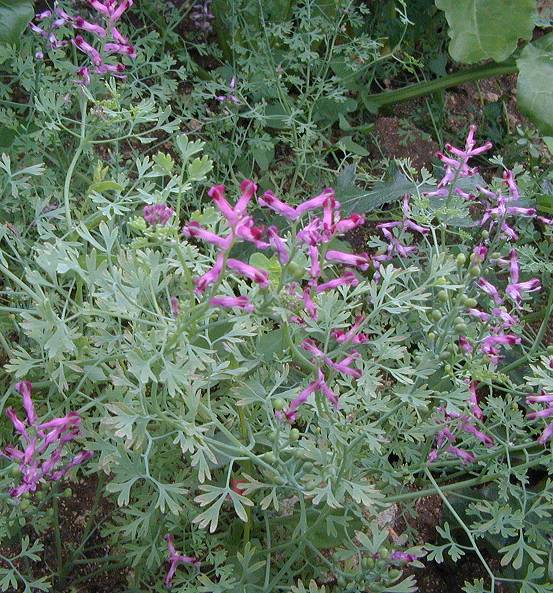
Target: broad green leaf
[[535, 83], [14, 17], [102, 186], [482, 29], [348, 144]]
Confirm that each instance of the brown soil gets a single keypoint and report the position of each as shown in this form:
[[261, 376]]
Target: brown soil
[[88, 574]]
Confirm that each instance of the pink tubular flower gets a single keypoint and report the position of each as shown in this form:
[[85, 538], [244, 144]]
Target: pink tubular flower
[[347, 279], [507, 320], [278, 244], [246, 229], [80, 23], [473, 401], [174, 559], [309, 346], [350, 259], [228, 302], [248, 189], [465, 456], [290, 413], [315, 269], [352, 335], [217, 194], [348, 224], [119, 48], [465, 345], [516, 291], [24, 388], [211, 276], [316, 202], [84, 74], [258, 276], [194, 230], [542, 398], [326, 391], [269, 200], [17, 423], [86, 48], [344, 365], [403, 556], [158, 214], [310, 306], [490, 290], [545, 413], [471, 429], [481, 315]]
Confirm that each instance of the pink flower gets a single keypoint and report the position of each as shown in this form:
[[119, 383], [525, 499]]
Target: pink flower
[[473, 401], [84, 74], [315, 269], [80, 23], [228, 302], [211, 276], [316, 202], [246, 229], [484, 438], [344, 366], [516, 291], [490, 290], [271, 201], [309, 304], [86, 48], [24, 388], [217, 194], [507, 319], [194, 230], [347, 279], [350, 259], [17, 423], [119, 48], [353, 335], [248, 189], [175, 559], [481, 315], [509, 179], [542, 398], [546, 434], [310, 346], [465, 345], [465, 456], [348, 224], [158, 214], [296, 403], [326, 391], [258, 276], [545, 413], [278, 244]]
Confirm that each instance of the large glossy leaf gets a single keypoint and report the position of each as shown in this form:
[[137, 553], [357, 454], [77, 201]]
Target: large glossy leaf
[[482, 29], [14, 17], [535, 83]]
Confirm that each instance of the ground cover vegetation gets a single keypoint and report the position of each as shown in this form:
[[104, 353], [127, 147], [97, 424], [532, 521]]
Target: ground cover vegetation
[[276, 296]]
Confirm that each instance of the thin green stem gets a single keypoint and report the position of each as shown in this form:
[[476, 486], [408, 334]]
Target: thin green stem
[[73, 164]]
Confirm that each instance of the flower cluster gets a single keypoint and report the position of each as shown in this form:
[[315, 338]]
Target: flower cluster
[[155, 214], [112, 41], [312, 239], [175, 559], [465, 423], [43, 445]]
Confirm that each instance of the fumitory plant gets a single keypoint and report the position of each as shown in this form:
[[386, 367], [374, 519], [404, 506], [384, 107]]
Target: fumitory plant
[[257, 397]]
